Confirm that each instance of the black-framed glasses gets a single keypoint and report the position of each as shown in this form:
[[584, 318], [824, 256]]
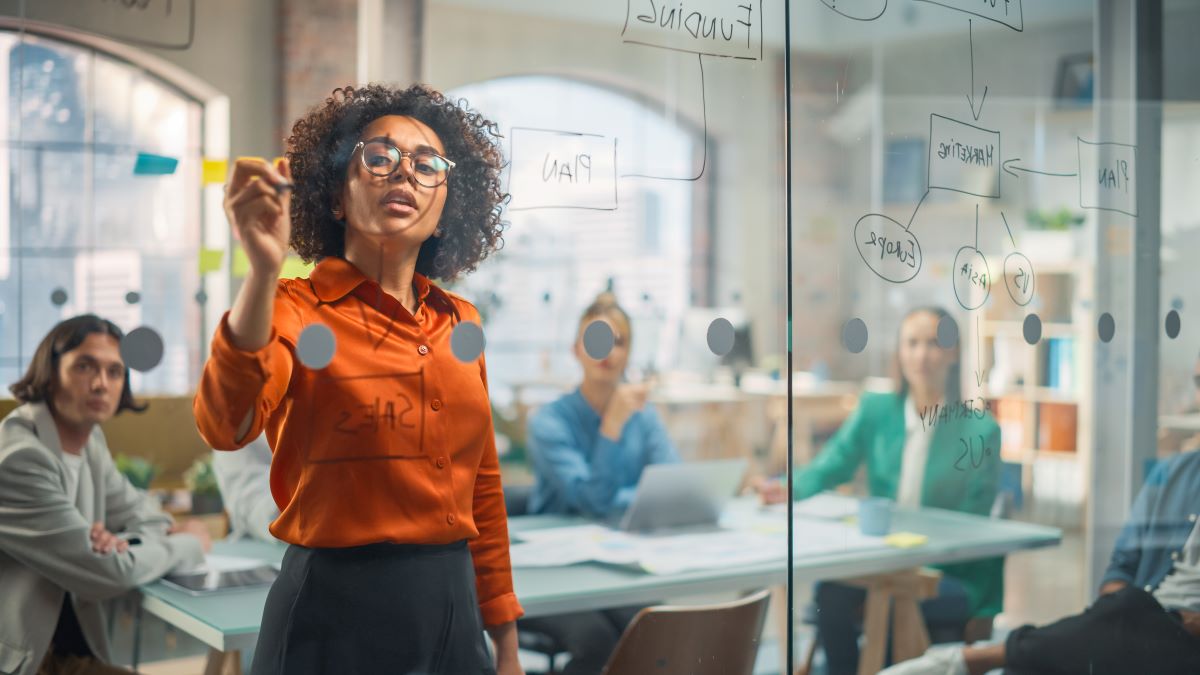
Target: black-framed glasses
[[383, 159]]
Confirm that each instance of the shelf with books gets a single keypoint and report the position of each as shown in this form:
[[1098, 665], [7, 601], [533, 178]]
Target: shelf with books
[[1040, 394]]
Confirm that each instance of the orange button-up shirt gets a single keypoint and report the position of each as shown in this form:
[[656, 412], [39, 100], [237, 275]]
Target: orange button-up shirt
[[391, 442]]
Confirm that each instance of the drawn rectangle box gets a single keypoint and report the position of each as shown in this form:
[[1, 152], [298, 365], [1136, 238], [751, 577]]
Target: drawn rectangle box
[[963, 157], [165, 24], [1005, 12], [551, 169], [729, 28], [1107, 177]]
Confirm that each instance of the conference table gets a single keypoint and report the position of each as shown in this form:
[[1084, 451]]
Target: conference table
[[228, 622]]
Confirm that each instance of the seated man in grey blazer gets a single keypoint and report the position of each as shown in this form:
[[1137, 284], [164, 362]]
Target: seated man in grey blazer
[[73, 530]]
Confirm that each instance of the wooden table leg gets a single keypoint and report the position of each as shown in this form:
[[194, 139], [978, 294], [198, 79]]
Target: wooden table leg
[[910, 637], [223, 663], [875, 627]]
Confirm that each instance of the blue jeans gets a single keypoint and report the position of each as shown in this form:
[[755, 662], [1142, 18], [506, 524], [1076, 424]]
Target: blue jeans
[[840, 614]]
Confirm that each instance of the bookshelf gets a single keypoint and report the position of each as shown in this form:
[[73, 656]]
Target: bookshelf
[[1040, 394]]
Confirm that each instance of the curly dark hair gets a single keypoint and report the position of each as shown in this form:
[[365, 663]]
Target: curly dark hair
[[320, 149]]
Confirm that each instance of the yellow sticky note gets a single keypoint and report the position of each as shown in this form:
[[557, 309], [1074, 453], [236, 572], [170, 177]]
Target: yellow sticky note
[[905, 540], [214, 170], [294, 267], [241, 262], [210, 259]]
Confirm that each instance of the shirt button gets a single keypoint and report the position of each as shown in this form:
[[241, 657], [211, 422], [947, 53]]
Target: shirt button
[[450, 518], [441, 462], [1192, 518], [1175, 555], [1149, 588], [436, 404], [422, 350]]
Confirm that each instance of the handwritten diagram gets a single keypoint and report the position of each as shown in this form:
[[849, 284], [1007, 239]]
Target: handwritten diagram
[[966, 157], [577, 169]]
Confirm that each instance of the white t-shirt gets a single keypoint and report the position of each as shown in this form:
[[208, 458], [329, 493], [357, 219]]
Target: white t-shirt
[[1181, 588], [916, 456], [74, 464]]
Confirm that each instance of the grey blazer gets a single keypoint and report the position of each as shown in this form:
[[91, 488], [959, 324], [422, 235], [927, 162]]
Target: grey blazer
[[45, 549]]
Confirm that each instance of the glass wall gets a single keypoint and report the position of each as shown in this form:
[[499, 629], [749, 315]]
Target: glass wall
[[904, 284]]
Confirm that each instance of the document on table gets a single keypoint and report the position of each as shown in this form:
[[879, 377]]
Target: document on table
[[813, 537], [676, 553], [827, 505], [226, 563]]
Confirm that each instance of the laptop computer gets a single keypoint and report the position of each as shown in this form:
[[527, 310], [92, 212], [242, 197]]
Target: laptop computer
[[689, 495]]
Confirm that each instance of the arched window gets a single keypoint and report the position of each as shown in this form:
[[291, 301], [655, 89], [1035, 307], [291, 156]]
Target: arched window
[[650, 242], [99, 203]]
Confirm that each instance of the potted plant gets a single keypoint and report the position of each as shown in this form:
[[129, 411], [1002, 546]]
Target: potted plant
[[201, 480], [139, 471], [1052, 234]]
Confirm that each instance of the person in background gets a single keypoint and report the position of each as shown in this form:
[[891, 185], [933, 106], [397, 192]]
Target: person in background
[[1147, 618], [588, 450], [922, 446], [244, 478], [73, 530], [384, 463], [1184, 440]]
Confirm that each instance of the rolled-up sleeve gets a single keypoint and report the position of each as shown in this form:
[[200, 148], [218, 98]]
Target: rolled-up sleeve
[[236, 381]]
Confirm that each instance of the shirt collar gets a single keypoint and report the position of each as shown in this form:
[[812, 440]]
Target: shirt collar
[[47, 431], [333, 278]]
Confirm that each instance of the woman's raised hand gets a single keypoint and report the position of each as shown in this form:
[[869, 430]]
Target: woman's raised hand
[[257, 203]]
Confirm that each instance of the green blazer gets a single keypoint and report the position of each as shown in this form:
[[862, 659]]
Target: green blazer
[[955, 478]]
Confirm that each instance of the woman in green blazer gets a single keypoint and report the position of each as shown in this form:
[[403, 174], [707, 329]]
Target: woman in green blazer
[[922, 446]]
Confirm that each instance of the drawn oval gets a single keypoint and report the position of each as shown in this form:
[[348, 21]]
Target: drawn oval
[[1019, 278], [972, 278], [859, 10], [892, 252]]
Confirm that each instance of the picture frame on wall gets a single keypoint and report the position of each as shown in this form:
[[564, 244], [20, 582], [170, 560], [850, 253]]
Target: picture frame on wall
[[1075, 84]]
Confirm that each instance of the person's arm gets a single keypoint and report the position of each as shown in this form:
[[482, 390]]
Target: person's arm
[[489, 551], [589, 488], [42, 529], [128, 512], [1127, 551], [250, 366], [838, 460], [659, 449], [244, 478]]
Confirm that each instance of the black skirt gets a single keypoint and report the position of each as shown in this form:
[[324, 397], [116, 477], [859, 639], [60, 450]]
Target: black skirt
[[375, 609]]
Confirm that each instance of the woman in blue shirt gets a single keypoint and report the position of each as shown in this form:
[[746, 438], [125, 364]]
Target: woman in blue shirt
[[590, 446], [588, 449]]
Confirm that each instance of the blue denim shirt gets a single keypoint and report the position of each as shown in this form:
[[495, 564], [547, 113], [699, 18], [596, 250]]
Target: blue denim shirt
[[581, 472], [1162, 517]]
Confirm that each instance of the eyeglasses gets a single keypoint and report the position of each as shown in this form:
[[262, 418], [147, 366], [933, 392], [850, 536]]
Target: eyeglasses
[[383, 159]]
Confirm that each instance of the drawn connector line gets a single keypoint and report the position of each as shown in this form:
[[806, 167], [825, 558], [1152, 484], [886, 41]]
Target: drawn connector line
[[859, 10], [704, 151], [971, 96], [1009, 229], [918, 208], [1014, 169], [979, 372]]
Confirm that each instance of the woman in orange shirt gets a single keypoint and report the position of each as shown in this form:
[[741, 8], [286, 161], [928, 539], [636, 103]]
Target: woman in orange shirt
[[384, 463]]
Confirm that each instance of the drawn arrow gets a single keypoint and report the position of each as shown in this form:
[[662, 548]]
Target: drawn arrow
[[979, 372], [971, 96], [1014, 169]]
